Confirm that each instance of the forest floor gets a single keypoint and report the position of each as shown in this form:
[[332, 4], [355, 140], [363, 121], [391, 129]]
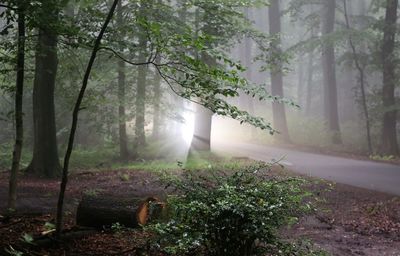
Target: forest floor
[[349, 220]]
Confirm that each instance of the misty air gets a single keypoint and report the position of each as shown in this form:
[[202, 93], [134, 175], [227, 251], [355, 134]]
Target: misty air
[[199, 127]]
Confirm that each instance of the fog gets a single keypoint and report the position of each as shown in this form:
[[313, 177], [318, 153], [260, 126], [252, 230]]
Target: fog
[[318, 65]]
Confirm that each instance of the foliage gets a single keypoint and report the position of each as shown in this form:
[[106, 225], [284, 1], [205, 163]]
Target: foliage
[[301, 248], [382, 158], [13, 252], [117, 227], [93, 158], [229, 214], [27, 238], [6, 153]]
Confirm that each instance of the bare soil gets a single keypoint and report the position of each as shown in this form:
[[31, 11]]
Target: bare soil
[[350, 221]]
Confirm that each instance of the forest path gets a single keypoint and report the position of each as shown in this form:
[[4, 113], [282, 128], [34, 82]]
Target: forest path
[[365, 174]]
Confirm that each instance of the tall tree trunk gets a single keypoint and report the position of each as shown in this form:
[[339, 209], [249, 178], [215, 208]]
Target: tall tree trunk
[[310, 74], [140, 139], [45, 160], [201, 140], [360, 69], [157, 103], [329, 71], [278, 109], [389, 133], [123, 141], [19, 90], [300, 81], [75, 114]]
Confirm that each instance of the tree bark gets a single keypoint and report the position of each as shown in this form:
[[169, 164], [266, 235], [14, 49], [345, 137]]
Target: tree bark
[[300, 81], [329, 71], [157, 103], [201, 140], [360, 69], [389, 133], [45, 161], [140, 135], [123, 141], [278, 109], [248, 59], [98, 212], [19, 128], [310, 75]]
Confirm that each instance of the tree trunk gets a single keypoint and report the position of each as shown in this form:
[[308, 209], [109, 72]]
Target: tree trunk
[[389, 133], [99, 212], [75, 114], [329, 71], [19, 90], [300, 81], [157, 103], [310, 74], [201, 140], [45, 161], [248, 59], [278, 109], [123, 141], [360, 69], [140, 139]]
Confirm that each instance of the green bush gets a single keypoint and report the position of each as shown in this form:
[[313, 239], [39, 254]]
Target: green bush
[[6, 151], [229, 214]]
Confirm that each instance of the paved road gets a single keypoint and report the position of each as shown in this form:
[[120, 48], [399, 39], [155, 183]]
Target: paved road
[[366, 174]]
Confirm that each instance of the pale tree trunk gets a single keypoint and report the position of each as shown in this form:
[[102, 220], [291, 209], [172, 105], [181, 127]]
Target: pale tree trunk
[[157, 104], [140, 137], [329, 72], [19, 90], [310, 75], [45, 160], [361, 72], [300, 81], [123, 141], [389, 133], [278, 109], [201, 140]]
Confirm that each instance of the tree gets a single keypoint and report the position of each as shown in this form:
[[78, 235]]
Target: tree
[[278, 109], [310, 75], [140, 136], [389, 132], [360, 69], [187, 75], [45, 161], [157, 104], [201, 140], [75, 114], [19, 90], [329, 70], [123, 140]]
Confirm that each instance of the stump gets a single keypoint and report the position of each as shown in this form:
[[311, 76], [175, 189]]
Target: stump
[[99, 212]]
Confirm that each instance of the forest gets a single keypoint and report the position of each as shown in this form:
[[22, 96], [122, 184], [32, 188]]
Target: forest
[[199, 127]]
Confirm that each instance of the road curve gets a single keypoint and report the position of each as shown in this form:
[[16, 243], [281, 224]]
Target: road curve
[[365, 174]]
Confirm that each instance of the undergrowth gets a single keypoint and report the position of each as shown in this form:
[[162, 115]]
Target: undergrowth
[[221, 213]]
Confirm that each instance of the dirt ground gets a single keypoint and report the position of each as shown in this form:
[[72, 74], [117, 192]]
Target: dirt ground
[[349, 221]]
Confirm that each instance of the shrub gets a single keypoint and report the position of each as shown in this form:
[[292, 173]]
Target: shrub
[[229, 214]]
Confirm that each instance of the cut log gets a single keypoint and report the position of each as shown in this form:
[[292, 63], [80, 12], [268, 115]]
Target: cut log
[[99, 212]]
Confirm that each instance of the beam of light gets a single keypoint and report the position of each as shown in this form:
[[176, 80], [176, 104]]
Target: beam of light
[[187, 128]]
